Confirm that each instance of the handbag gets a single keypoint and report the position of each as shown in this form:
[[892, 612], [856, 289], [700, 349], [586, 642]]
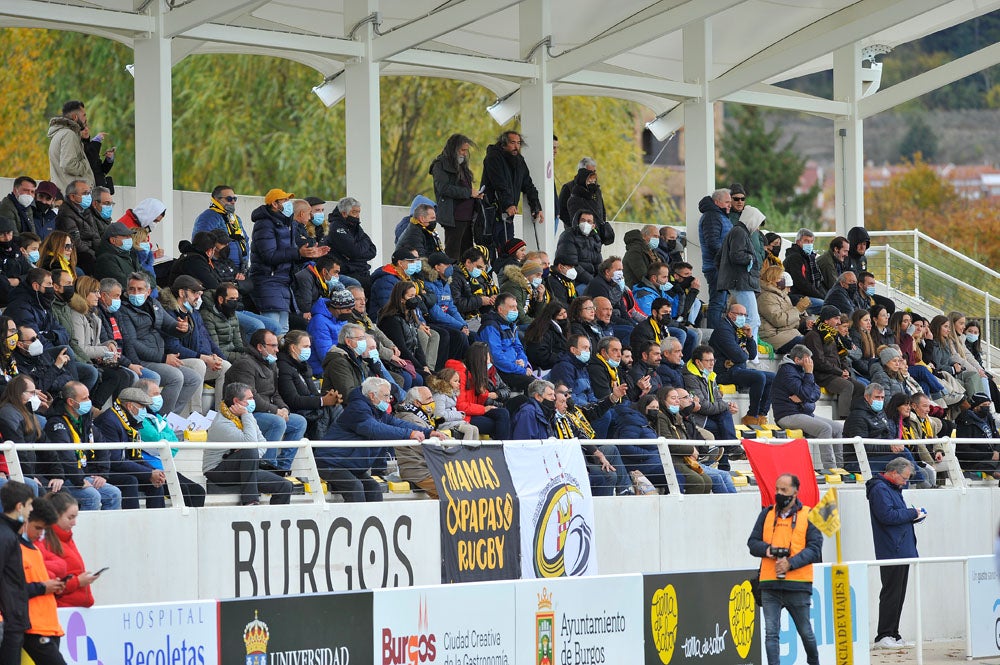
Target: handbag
[[755, 588]]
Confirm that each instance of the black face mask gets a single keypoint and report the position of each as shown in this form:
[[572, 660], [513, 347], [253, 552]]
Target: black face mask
[[671, 245], [345, 317], [227, 309], [413, 303], [432, 226], [782, 501], [592, 187], [67, 293], [652, 415], [353, 220], [46, 296], [687, 410], [549, 407]]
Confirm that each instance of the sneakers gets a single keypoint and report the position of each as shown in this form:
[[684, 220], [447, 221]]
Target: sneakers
[[888, 642]]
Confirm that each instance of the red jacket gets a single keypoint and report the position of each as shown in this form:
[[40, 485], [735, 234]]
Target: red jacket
[[70, 563], [467, 400]]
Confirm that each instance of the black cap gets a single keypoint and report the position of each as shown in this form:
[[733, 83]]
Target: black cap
[[828, 312], [438, 258], [314, 201], [188, 283], [403, 254]]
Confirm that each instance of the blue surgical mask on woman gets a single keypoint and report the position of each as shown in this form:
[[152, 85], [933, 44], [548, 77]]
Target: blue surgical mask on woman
[[145, 246], [413, 267], [317, 218], [674, 408], [287, 208], [305, 354], [971, 338]]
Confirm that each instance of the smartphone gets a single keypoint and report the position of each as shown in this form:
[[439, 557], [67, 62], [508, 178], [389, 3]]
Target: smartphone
[[65, 579], [98, 573], [651, 371]]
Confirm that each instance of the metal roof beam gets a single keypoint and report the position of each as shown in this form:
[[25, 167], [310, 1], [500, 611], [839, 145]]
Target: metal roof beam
[[928, 81], [851, 24], [776, 98], [229, 34], [466, 63], [664, 17], [185, 17], [614, 81], [73, 15], [430, 27]]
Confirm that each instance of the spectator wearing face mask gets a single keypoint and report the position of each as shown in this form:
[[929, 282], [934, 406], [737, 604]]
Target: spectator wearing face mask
[[419, 234], [580, 245], [45, 210], [221, 214], [640, 253], [319, 279], [196, 261], [781, 322], [349, 243]]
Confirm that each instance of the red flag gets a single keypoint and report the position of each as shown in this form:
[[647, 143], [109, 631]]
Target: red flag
[[770, 460]]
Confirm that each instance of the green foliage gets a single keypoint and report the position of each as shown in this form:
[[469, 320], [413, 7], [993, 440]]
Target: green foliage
[[919, 140], [753, 158]]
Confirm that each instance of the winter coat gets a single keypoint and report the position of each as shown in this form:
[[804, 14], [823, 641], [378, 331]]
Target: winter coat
[[707, 391], [505, 178], [351, 246], [67, 158], [449, 189], [26, 309], [444, 312], [13, 588], [731, 350], [587, 199], [225, 332], [417, 237], [827, 362], [43, 370], [65, 464], [893, 385], [324, 330], [592, 331], [295, 384], [467, 292], [857, 263], [468, 401], [505, 345], [307, 288], [517, 285], [79, 224], [620, 302], [892, 520], [383, 280], [713, 227], [144, 330], [68, 564], [645, 292], [13, 265], [561, 289], [779, 318], [866, 423], [343, 370], [529, 422], [840, 298], [262, 377], [573, 373], [273, 256], [215, 217], [117, 263], [583, 252], [829, 269], [362, 420], [791, 379], [194, 264], [806, 277], [628, 423], [546, 352], [23, 218], [737, 263], [638, 257]]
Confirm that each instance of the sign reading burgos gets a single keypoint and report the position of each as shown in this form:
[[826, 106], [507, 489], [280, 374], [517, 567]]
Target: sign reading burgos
[[586, 621], [701, 618], [176, 633], [468, 624], [324, 629], [305, 549]]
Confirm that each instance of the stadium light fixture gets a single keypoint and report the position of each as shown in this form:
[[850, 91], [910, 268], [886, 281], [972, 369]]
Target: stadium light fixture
[[332, 89], [505, 108]]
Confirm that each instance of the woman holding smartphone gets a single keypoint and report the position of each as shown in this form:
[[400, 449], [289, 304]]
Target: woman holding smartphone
[[62, 558]]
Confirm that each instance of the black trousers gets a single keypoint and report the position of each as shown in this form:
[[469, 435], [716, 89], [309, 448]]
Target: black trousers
[[131, 478], [453, 342], [10, 648], [519, 382], [242, 467], [194, 494], [458, 239], [890, 600], [354, 486], [44, 650]]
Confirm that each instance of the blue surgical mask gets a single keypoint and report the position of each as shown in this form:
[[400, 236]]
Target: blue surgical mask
[[34, 255], [137, 299], [318, 218], [972, 339], [870, 290], [372, 353], [383, 406], [127, 244], [536, 282], [413, 267], [115, 305], [251, 405], [305, 354], [449, 271], [674, 408], [512, 315], [106, 211], [475, 273], [584, 357], [287, 208], [614, 363], [333, 282], [188, 306], [157, 404], [741, 320], [86, 201], [84, 407], [705, 372], [143, 413], [654, 242], [807, 248], [877, 405], [361, 347], [271, 358], [145, 246]]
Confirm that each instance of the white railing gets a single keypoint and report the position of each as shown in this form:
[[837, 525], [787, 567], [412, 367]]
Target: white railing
[[305, 465]]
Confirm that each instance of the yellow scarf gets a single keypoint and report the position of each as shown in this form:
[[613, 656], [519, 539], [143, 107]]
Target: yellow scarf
[[81, 457], [64, 264], [323, 286], [569, 284], [612, 372], [133, 433], [233, 226], [226, 413], [658, 337]]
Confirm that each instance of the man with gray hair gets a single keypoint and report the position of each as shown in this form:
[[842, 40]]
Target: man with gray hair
[[74, 218], [419, 233], [712, 229], [892, 530], [800, 263], [349, 243], [533, 420], [793, 400]]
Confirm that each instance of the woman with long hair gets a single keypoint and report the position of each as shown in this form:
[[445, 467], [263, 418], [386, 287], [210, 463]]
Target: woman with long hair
[[957, 347], [86, 329], [58, 251], [545, 340], [8, 366], [296, 387], [583, 320], [881, 333], [398, 320], [62, 558], [781, 322], [481, 392], [455, 193], [940, 349], [861, 335], [18, 423], [974, 346]]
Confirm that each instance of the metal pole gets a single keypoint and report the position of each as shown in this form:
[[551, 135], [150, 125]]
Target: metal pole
[[916, 263], [888, 260], [987, 331], [968, 613], [920, 625]]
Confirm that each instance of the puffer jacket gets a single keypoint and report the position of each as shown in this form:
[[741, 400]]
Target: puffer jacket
[[638, 257], [351, 246], [295, 384], [26, 309], [789, 380], [713, 227], [144, 329], [866, 423], [893, 384], [324, 329], [468, 401], [505, 345], [262, 378], [573, 373], [117, 263], [738, 266], [587, 199], [225, 332], [892, 520], [779, 319], [195, 264], [545, 353], [517, 285], [417, 237], [707, 391], [582, 252], [273, 257], [857, 262], [67, 158], [79, 224], [343, 370], [362, 420]]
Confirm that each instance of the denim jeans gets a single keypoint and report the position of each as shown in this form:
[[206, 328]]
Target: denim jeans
[[716, 299], [757, 381], [749, 300], [797, 603], [608, 483], [279, 319], [722, 481], [276, 428], [108, 497]]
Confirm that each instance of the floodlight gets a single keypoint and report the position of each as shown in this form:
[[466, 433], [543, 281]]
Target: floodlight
[[131, 70], [666, 123], [505, 108], [332, 89]]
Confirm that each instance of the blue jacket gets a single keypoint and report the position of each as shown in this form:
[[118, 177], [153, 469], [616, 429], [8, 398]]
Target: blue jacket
[[530, 422], [574, 374], [211, 219], [628, 423], [383, 280], [712, 228], [505, 345], [790, 379], [444, 312], [645, 293], [362, 420], [727, 346], [892, 520], [324, 330], [273, 256], [27, 310], [196, 341]]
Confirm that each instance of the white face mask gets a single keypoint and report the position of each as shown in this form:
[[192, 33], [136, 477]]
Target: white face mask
[[35, 402], [586, 228], [25, 199], [35, 348], [571, 274]]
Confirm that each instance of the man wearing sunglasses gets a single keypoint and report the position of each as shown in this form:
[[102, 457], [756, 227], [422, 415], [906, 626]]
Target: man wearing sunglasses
[[221, 214]]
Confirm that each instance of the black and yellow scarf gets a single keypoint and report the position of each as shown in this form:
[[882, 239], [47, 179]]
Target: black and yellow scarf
[[233, 226], [132, 432]]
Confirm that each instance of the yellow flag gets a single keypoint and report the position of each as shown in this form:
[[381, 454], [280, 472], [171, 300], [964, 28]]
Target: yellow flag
[[826, 514]]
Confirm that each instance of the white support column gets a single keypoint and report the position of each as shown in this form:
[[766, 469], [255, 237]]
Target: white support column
[[699, 132], [364, 127], [154, 165], [536, 123], [849, 140]]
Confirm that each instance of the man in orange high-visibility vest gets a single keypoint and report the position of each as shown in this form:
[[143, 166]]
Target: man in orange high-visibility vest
[[788, 545]]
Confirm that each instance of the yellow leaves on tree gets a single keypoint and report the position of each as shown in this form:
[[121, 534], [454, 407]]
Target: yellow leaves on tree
[[25, 53]]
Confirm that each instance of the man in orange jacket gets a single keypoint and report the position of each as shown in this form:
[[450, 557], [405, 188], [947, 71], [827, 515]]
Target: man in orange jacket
[[788, 545], [41, 641]]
